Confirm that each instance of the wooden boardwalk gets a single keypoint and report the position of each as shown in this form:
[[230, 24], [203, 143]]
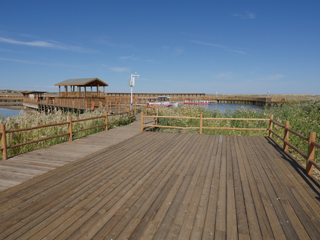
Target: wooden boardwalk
[[168, 186], [26, 166]]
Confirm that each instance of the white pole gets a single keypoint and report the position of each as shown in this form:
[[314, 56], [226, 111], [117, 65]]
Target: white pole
[[131, 96]]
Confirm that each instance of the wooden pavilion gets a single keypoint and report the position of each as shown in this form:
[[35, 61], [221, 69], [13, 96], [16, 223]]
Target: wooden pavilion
[[84, 90]]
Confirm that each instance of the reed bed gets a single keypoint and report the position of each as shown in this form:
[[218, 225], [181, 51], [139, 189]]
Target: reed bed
[[24, 120], [304, 117]]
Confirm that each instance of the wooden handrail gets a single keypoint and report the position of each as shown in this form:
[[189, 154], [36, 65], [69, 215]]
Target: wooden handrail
[[37, 127], [239, 119], [277, 135], [87, 119], [177, 117], [38, 140], [316, 144], [3, 132], [311, 145], [297, 150], [201, 122], [280, 125], [245, 129], [298, 134]]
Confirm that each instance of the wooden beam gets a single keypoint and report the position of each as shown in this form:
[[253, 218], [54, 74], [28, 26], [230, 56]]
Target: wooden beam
[[3, 141], [311, 151]]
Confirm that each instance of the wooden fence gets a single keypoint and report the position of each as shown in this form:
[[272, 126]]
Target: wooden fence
[[4, 132], [312, 145]]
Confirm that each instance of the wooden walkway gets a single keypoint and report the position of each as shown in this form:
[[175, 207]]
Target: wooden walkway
[[26, 166], [168, 186]]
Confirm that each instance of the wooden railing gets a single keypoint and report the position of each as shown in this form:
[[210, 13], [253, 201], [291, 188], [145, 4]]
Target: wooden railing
[[11, 97], [312, 145], [201, 119], [4, 132]]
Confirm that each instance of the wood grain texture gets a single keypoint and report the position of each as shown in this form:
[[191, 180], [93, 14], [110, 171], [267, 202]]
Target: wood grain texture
[[161, 186]]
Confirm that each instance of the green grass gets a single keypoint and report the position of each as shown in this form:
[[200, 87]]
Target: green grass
[[24, 120]]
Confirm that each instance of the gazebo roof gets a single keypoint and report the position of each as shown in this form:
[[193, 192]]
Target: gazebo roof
[[82, 82]]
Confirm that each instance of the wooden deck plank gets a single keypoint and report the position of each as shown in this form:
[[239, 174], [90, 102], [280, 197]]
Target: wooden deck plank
[[136, 201], [264, 224], [232, 229], [165, 223], [54, 193], [210, 219], [118, 196], [274, 198], [164, 186], [70, 211], [288, 193], [148, 213], [283, 193], [173, 199], [253, 224]]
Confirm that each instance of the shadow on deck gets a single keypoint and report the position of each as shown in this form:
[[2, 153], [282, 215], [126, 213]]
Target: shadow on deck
[[169, 185]]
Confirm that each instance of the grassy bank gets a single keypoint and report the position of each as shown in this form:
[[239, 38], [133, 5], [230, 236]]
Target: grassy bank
[[304, 117], [24, 120]]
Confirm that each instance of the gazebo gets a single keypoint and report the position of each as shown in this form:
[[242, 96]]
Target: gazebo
[[32, 96], [84, 89]]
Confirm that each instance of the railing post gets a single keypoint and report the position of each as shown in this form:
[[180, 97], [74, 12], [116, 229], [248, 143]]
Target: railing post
[[3, 141], [286, 136], [200, 123], [270, 126], [70, 128], [141, 121], [157, 117], [311, 150], [106, 120]]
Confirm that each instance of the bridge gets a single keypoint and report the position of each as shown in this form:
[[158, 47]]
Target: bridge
[[153, 185]]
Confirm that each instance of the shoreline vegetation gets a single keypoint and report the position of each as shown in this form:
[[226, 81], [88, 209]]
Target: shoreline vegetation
[[303, 116], [25, 120]]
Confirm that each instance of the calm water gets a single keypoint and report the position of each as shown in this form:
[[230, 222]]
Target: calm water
[[224, 106], [8, 112]]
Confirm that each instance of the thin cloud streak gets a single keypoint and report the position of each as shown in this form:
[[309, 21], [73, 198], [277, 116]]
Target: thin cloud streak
[[247, 15], [219, 46], [43, 44], [41, 63], [126, 57]]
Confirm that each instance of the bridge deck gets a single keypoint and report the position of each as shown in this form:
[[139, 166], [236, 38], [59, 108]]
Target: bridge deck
[[168, 185]]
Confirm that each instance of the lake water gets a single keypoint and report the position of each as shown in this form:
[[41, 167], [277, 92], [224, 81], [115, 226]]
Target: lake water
[[221, 106], [224, 106], [8, 112]]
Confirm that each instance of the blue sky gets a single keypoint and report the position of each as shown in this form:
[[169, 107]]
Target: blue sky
[[176, 46]]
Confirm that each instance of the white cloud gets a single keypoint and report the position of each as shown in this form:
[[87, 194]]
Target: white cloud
[[247, 15], [126, 57], [273, 77], [119, 69], [226, 75], [51, 44]]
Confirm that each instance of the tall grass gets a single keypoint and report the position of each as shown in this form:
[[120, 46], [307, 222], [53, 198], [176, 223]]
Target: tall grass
[[24, 120], [304, 117]]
